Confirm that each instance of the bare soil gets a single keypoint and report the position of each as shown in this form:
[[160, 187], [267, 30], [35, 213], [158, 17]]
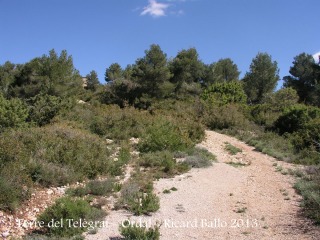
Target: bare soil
[[249, 199]]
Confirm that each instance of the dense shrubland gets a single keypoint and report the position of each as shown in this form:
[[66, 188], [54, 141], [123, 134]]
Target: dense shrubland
[[51, 138]]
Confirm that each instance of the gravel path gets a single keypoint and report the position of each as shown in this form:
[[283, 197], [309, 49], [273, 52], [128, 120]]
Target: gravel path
[[225, 201]]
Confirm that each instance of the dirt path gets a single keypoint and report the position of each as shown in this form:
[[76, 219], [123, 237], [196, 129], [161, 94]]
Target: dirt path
[[226, 202]]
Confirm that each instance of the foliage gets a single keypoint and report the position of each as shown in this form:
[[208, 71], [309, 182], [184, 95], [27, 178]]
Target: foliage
[[151, 71], [43, 108], [309, 188], [13, 113], [186, 67], [304, 78], [226, 116], [7, 73], [262, 77], [131, 231], [139, 199], [55, 155], [163, 162], [162, 135], [113, 72], [92, 81], [222, 71], [225, 93], [94, 187], [282, 98], [295, 118], [233, 150], [65, 211], [54, 75], [198, 157]]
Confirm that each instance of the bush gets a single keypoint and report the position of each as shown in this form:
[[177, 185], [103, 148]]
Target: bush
[[100, 188], [309, 188], [132, 232], [14, 113], [232, 149], [44, 108], [15, 187], [162, 135], [226, 116], [198, 158], [225, 93], [66, 211], [296, 118], [95, 187], [163, 162], [139, 199]]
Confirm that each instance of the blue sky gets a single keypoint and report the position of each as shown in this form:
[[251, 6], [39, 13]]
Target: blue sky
[[100, 32]]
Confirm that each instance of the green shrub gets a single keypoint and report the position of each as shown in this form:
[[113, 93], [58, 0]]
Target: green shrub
[[133, 232], [55, 155], [310, 191], [14, 113], [264, 114], [139, 199], [232, 149], [14, 188], [198, 157], [225, 93], [162, 161], [296, 118], [44, 108], [100, 188], [66, 211], [162, 135], [226, 116]]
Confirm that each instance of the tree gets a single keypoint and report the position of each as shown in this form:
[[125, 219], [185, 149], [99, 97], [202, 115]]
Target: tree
[[7, 73], [222, 71], [54, 75], [151, 71], [186, 67], [262, 77], [92, 81], [113, 72], [305, 78]]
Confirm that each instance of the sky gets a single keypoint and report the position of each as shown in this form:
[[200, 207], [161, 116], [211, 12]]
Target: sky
[[98, 33]]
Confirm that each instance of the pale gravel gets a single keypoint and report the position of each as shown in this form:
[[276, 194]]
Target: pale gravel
[[207, 200]]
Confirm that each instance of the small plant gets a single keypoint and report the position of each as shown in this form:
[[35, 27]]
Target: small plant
[[279, 168], [67, 210], [95, 187], [166, 191], [131, 231], [241, 210], [173, 189], [233, 150], [236, 164], [138, 199]]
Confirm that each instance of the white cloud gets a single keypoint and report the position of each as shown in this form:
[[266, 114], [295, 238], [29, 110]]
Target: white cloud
[[155, 9]]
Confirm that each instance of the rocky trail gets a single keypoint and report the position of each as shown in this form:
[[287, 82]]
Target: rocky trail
[[248, 195], [246, 199]]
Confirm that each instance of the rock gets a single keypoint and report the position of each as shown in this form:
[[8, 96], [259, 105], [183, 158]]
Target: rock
[[109, 141], [134, 140], [5, 234], [50, 191]]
